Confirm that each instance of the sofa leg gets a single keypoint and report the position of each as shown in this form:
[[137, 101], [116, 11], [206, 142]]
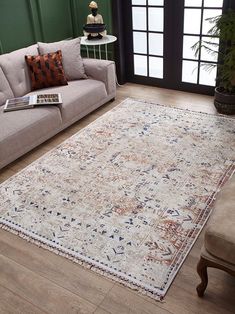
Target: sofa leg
[[202, 272], [113, 99]]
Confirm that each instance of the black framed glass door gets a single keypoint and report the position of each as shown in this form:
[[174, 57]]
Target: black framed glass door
[[158, 36], [196, 27], [147, 36]]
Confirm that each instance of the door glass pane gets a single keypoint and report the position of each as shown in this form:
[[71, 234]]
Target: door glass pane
[[188, 42], [213, 3], [156, 44], [156, 19], [140, 65], [156, 2], [205, 55], [195, 22], [156, 67], [139, 18], [207, 77], [140, 42], [192, 21], [190, 71], [193, 3], [139, 2], [206, 26]]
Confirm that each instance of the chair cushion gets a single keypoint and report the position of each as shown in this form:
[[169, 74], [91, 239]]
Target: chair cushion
[[16, 71], [5, 90], [46, 70], [72, 61], [220, 234], [24, 129], [77, 96]]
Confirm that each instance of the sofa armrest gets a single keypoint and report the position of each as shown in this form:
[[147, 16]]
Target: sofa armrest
[[102, 70]]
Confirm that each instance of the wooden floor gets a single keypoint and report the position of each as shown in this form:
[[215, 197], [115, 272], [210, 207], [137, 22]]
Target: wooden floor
[[34, 280]]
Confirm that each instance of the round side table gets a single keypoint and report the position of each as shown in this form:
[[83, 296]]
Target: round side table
[[108, 39]]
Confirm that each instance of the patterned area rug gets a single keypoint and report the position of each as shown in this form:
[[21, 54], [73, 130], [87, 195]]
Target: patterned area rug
[[126, 196]]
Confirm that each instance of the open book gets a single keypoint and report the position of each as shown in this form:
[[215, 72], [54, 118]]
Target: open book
[[27, 102]]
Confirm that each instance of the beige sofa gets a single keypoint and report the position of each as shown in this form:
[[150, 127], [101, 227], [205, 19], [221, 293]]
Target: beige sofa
[[219, 243], [21, 131]]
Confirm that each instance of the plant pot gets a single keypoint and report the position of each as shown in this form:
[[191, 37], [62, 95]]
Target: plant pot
[[224, 102]]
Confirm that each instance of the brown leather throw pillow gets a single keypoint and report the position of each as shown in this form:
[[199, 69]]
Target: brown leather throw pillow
[[46, 70]]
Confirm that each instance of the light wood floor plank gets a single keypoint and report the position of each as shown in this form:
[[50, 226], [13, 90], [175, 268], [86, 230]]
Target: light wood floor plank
[[101, 311], [57, 269], [39, 291], [11, 303], [219, 297], [5, 174], [125, 301]]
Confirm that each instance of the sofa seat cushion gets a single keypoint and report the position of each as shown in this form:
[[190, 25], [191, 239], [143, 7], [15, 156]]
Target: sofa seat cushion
[[5, 90], [77, 96], [220, 234], [24, 129], [16, 70]]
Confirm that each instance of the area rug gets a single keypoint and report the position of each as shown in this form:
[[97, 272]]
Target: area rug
[[126, 196]]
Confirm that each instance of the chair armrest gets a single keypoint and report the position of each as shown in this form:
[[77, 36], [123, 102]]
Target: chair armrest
[[102, 70]]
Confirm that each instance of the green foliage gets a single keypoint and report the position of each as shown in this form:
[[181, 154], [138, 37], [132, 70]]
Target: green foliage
[[224, 29]]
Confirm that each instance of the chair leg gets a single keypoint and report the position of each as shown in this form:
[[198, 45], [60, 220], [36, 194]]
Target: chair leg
[[202, 272]]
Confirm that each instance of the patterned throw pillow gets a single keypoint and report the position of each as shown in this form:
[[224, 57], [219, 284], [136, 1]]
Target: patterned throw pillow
[[46, 70]]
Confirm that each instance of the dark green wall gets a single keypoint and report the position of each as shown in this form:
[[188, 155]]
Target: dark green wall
[[24, 22]]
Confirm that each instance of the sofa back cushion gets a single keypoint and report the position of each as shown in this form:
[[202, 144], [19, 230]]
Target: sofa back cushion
[[16, 71], [71, 58], [46, 70], [5, 90]]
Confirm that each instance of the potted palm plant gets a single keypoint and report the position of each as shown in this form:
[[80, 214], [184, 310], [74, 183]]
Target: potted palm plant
[[224, 29]]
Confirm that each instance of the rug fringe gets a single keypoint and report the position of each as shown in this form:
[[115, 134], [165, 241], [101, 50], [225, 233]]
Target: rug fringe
[[108, 274]]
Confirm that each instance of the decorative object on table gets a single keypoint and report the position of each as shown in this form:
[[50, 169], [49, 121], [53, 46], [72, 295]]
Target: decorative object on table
[[224, 29], [95, 27], [127, 195]]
